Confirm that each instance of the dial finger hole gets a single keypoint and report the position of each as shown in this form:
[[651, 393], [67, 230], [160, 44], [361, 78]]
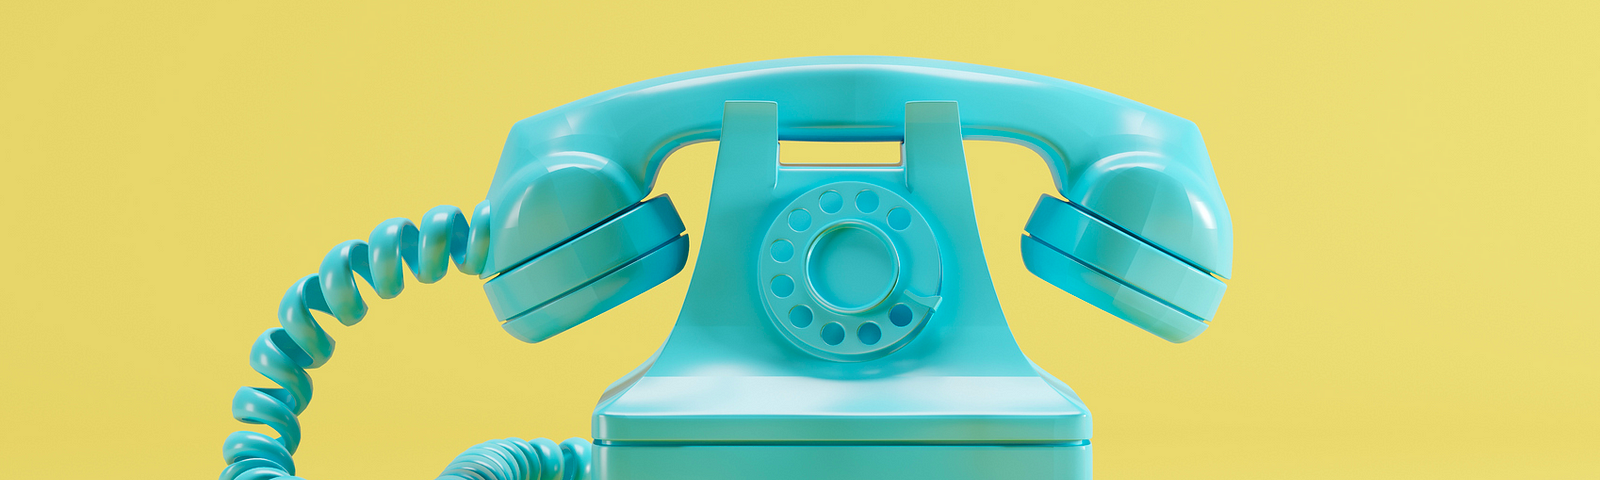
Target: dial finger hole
[[800, 220], [869, 333], [833, 333], [830, 201], [800, 316], [899, 218], [867, 201], [782, 250], [782, 286], [900, 315]]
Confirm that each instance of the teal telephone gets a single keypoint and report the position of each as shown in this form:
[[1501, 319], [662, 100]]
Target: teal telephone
[[840, 322]]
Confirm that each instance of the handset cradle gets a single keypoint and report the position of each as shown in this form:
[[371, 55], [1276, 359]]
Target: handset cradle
[[729, 396]]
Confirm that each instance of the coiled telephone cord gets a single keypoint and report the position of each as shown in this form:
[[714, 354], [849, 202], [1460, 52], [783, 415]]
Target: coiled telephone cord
[[284, 353]]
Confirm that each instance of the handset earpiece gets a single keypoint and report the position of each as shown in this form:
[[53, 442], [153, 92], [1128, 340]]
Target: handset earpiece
[[594, 271], [1145, 239], [571, 240], [1111, 269]]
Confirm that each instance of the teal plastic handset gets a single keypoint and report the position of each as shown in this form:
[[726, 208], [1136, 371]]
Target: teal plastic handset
[[841, 321]]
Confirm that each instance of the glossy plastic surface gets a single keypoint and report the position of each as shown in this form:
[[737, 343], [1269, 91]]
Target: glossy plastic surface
[[841, 322], [956, 391], [1146, 170], [845, 461], [283, 354], [851, 273], [518, 459], [599, 269], [1130, 266]]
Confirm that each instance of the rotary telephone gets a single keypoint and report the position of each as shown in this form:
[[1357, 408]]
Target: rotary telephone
[[840, 322]]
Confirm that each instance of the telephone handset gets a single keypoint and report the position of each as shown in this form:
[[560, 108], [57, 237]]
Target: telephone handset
[[841, 322]]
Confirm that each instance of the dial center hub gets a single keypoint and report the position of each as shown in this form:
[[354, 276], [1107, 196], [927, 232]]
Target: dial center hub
[[851, 267]]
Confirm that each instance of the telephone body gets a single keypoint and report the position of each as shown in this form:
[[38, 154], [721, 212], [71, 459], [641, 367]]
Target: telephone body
[[841, 321]]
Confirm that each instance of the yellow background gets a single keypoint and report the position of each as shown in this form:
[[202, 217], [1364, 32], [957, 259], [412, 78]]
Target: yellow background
[[1413, 189]]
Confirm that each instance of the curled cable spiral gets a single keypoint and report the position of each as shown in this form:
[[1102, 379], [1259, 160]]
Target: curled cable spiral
[[283, 354], [518, 459]]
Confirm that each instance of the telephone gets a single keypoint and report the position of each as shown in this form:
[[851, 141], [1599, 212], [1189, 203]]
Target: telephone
[[841, 321]]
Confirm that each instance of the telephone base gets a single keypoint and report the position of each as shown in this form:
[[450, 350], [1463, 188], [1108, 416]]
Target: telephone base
[[853, 461]]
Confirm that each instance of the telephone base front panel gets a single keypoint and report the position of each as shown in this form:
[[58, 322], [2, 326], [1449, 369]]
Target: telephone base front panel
[[844, 462], [900, 409]]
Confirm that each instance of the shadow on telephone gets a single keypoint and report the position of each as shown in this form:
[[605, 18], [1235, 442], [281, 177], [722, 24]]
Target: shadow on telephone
[[840, 321]]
